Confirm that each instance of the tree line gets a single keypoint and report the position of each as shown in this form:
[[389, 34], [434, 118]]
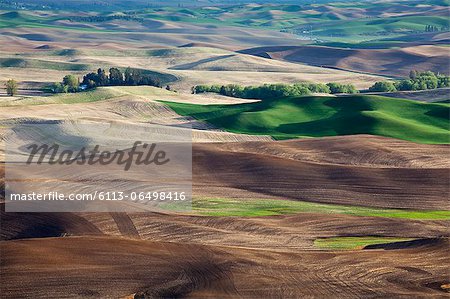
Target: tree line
[[432, 28], [115, 77], [416, 81], [99, 19], [269, 91]]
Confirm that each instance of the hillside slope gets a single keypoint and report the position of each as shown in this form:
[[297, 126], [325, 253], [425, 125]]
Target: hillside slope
[[391, 62], [329, 116]]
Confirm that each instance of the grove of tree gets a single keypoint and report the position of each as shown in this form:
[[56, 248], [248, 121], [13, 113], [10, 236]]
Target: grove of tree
[[130, 77], [269, 91], [416, 81]]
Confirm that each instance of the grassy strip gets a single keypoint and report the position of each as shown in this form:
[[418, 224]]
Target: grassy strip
[[43, 64], [98, 94], [349, 243], [273, 207], [94, 95]]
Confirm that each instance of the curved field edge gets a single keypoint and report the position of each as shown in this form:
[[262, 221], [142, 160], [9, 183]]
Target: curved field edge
[[313, 116], [273, 207], [93, 95], [349, 243]]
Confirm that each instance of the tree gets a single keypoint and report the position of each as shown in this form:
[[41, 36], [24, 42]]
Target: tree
[[413, 74], [316, 87], [431, 28], [383, 86], [267, 91], [102, 77], [404, 85], [71, 82], [90, 84], [349, 88], [136, 76], [206, 88], [443, 81], [223, 90], [423, 80], [90, 80], [59, 88], [128, 76], [148, 80], [115, 76], [334, 87], [11, 87], [341, 88], [133, 76]]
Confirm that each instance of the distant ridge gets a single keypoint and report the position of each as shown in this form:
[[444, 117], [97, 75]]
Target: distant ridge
[[390, 62]]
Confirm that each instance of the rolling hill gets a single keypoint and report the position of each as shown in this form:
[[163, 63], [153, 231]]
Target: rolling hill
[[391, 62], [329, 116], [333, 211]]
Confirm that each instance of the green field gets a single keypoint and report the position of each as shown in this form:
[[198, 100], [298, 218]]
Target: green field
[[43, 64], [330, 23], [349, 23], [314, 116], [273, 207], [22, 19], [283, 16], [98, 94], [381, 28], [349, 243]]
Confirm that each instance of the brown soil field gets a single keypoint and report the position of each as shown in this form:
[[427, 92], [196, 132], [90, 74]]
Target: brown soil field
[[149, 255], [278, 233], [405, 177], [345, 178], [117, 267]]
